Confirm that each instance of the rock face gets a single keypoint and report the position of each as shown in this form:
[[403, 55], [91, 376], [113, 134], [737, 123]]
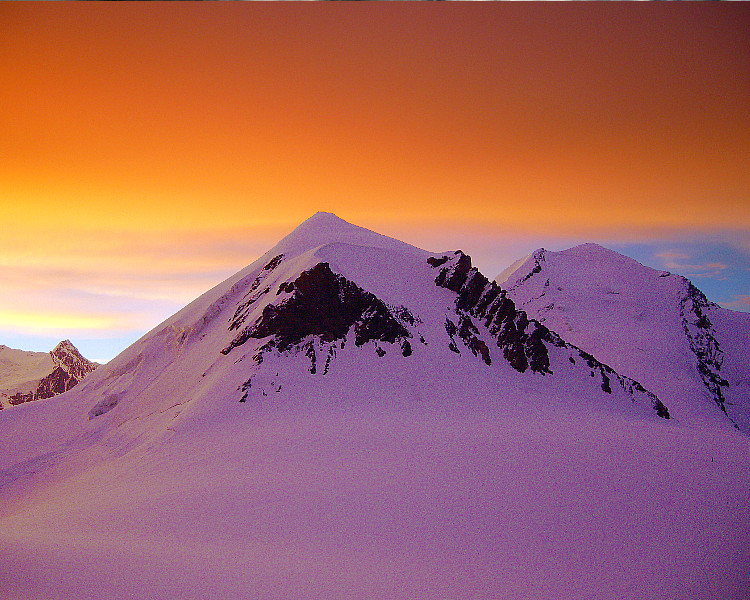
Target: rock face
[[321, 304], [701, 336], [523, 341], [70, 367], [326, 305]]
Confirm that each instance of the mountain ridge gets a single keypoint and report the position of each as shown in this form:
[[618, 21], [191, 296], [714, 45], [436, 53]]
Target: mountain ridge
[[650, 324]]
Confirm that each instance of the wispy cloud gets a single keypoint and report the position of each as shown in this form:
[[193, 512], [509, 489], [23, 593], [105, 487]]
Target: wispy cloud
[[92, 284], [741, 303], [673, 261]]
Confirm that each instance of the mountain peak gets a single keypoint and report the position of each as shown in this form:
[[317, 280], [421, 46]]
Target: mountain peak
[[592, 250], [65, 345], [325, 228], [67, 357]]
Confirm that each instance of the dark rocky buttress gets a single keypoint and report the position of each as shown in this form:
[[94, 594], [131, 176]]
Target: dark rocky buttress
[[326, 305], [57, 382], [70, 368], [701, 336], [523, 341]]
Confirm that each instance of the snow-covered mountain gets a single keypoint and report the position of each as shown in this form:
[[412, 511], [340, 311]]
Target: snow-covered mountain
[[350, 416], [653, 326], [27, 376], [333, 299]]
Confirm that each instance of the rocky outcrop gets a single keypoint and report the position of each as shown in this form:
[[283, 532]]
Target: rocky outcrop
[[70, 367], [701, 336], [524, 342], [321, 307], [67, 357], [326, 305], [252, 295], [520, 339]]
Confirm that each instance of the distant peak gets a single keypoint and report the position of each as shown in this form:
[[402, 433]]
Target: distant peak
[[65, 345]]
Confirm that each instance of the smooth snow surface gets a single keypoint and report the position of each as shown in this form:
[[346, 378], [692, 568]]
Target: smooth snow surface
[[390, 504], [426, 476], [21, 368]]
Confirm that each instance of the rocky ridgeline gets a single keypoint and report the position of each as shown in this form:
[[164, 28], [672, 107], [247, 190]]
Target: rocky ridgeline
[[70, 367], [701, 336], [523, 341], [319, 311], [539, 257]]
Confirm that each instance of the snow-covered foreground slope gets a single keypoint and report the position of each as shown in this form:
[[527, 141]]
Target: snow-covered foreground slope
[[376, 503], [650, 325], [353, 417]]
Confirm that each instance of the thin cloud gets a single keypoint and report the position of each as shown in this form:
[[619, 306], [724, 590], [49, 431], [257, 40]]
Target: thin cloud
[[741, 303], [672, 260]]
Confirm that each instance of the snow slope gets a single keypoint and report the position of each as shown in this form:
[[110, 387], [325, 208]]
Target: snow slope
[[650, 325], [353, 417]]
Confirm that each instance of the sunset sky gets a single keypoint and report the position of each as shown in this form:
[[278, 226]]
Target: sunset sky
[[150, 150]]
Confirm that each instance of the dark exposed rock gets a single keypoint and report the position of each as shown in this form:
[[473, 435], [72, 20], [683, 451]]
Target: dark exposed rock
[[522, 345], [67, 356], [240, 314], [402, 314], [70, 368], [287, 287], [19, 398], [273, 263], [661, 410], [245, 388], [329, 357], [468, 332], [466, 327], [326, 305], [472, 290], [377, 323], [450, 328], [523, 341], [535, 349], [310, 353], [57, 382], [703, 343], [454, 276], [436, 262], [478, 347]]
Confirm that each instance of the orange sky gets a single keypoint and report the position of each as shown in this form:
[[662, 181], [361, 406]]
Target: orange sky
[[138, 128]]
